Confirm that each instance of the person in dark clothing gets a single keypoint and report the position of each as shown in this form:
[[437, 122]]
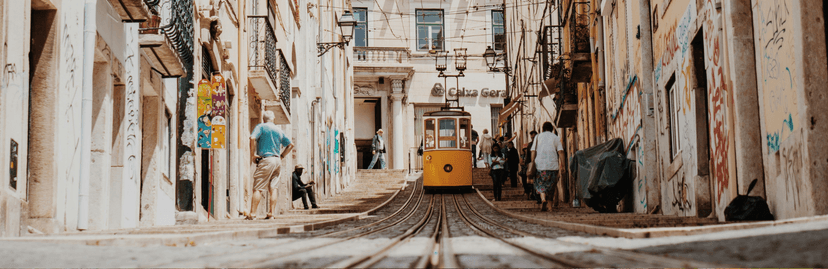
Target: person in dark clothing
[[498, 172], [300, 189], [527, 159], [513, 163], [474, 138]]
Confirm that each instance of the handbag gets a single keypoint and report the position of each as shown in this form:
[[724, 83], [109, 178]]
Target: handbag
[[532, 171]]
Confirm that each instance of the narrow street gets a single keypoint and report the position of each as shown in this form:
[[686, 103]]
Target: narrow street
[[413, 134], [418, 229]]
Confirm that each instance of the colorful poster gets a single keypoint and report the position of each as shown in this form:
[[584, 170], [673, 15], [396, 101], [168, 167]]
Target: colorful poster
[[204, 131], [219, 122], [205, 110]]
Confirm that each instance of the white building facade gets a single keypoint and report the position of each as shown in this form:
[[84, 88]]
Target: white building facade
[[395, 79]]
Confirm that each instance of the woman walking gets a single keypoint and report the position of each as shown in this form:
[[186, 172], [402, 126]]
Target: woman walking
[[485, 146], [547, 152], [498, 171]]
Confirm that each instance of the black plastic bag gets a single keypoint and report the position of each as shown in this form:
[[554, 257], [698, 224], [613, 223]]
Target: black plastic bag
[[745, 207]]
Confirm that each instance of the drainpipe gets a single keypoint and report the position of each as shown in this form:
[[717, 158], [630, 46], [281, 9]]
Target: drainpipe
[[648, 124], [89, 36]]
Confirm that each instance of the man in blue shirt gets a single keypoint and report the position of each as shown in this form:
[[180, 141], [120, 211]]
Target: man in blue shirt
[[271, 147]]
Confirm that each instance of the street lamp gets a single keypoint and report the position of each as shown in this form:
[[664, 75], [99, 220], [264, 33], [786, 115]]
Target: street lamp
[[441, 64], [491, 58], [346, 23]]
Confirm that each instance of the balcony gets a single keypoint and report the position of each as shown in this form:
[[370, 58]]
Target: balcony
[[388, 62], [579, 21], [268, 73], [167, 36], [133, 10]]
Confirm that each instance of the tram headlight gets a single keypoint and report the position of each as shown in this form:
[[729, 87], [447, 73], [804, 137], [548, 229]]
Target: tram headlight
[[448, 168], [428, 157]]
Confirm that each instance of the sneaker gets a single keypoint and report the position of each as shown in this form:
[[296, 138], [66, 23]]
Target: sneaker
[[543, 207]]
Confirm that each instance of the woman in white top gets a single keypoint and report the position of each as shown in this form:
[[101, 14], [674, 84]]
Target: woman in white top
[[547, 153], [485, 146]]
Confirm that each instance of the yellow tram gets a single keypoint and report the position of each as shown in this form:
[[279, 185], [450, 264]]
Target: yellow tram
[[447, 155]]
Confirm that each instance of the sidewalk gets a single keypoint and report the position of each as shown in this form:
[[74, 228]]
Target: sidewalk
[[367, 193], [626, 225]]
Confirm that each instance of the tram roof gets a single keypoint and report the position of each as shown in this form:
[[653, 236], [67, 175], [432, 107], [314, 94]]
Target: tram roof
[[446, 113]]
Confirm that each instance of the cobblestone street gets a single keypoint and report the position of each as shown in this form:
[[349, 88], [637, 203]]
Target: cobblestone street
[[402, 234]]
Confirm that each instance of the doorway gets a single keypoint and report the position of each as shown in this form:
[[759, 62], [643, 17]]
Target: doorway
[[368, 119]]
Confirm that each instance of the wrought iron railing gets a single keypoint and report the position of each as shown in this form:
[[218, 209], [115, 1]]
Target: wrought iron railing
[[263, 54], [382, 55], [284, 86], [174, 18], [552, 50], [579, 27]]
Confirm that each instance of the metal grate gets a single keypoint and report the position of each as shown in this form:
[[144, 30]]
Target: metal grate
[[284, 86]]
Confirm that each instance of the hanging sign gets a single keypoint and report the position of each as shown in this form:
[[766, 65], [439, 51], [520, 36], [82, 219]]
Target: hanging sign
[[219, 117], [205, 110]]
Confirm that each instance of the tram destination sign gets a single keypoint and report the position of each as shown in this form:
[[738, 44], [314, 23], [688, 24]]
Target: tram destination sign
[[439, 90]]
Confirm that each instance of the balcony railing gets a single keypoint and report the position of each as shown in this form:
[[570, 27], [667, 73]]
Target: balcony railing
[[381, 55], [263, 55], [579, 27], [170, 22]]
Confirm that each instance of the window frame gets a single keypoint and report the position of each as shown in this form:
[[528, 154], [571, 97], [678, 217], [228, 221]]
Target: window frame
[[429, 40], [440, 137], [363, 23], [464, 134], [495, 26], [673, 101], [425, 133]]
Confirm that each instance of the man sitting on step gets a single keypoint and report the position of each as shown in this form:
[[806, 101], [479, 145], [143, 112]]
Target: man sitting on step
[[301, 189]]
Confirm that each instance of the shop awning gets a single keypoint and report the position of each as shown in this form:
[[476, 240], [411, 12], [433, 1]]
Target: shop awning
[[509, 109], [552, 87]]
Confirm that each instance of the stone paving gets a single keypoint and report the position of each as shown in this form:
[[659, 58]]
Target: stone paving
[[367, 191]]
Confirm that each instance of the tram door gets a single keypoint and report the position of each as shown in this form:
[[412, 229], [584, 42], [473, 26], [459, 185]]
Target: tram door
[[419, 110]]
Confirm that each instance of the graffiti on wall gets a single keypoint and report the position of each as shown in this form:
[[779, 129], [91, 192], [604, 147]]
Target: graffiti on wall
[[674, 41], [777, 72], [720, 101]]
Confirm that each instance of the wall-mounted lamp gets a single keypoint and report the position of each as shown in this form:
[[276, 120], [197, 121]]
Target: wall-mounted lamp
[[346, 23]]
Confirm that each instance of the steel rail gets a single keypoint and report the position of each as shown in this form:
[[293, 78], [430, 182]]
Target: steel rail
[[657, 261], [417, 189], [488, 233], [267, 262], [369, 260]]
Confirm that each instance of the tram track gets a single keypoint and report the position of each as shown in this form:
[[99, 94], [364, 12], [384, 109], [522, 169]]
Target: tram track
[[412, 202], [614, 254]]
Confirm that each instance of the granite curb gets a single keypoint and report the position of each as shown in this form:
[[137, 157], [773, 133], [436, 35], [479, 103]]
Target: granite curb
[[650, 232]]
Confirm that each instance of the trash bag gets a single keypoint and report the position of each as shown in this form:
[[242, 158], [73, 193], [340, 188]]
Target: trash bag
[[745, 207], [603, 175]]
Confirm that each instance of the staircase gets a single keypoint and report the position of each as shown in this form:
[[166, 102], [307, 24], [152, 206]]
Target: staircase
[[511, 198]]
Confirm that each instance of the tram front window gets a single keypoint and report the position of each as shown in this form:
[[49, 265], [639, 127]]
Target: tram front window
[[448, 133], [429, 134]]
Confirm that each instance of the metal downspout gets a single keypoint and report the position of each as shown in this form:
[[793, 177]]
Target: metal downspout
[[89, 38]]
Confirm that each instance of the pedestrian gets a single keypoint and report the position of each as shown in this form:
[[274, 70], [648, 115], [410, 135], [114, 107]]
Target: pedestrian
[[547, 152], [524, 178], [475, 140], [485, 146], [301, 189], [528, 160], [271, 147], [498, 173], [513, 162], [378, 149]]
